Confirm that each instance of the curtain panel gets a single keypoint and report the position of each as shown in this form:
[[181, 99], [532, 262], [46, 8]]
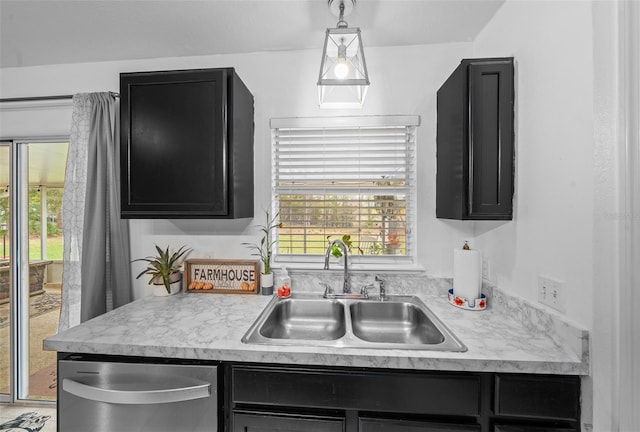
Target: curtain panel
[[97, 271]]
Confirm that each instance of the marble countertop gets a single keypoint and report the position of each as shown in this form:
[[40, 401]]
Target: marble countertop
[[510, 336]]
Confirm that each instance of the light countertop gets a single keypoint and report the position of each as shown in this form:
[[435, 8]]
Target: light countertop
[[510, 336]]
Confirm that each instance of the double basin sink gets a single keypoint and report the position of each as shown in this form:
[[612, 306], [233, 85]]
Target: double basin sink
[[398, 322]]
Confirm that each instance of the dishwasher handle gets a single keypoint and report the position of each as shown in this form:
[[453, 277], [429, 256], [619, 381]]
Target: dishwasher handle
[[199, 390]]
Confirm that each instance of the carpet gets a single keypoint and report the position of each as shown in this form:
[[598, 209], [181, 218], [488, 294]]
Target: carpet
[[25, 422], [38, 305]]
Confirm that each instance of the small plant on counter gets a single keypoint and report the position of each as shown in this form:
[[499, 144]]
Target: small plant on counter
[[163, 265], [264, 249]]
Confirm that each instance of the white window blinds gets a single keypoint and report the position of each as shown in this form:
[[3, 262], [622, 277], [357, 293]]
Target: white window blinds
[[347, 177]]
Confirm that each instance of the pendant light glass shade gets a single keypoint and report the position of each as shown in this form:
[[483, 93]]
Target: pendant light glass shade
[[343, 80]]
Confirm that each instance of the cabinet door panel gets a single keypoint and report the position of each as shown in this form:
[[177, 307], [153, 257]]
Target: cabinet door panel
[[176, 145], [490, 139], [474, 141], [260, 422], [186, 145], [512, 428], [384, 425], [425, 393], [173, 142], [550, 397]]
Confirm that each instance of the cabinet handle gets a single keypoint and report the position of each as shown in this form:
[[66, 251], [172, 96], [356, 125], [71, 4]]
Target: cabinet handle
[[137, 397]]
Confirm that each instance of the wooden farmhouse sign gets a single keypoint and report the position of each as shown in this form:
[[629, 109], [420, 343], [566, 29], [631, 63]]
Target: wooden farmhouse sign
[[222, 276]]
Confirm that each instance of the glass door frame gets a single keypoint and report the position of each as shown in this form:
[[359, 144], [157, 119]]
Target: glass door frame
[[19, 267], [12, 337]]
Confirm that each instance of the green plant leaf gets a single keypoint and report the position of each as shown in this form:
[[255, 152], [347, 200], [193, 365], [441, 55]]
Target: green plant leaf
[[163, 264], [264, 247]]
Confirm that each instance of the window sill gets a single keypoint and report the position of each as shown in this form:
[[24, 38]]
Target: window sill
[[353, 267]]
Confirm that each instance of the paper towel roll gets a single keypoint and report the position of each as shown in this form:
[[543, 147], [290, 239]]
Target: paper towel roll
[[467, 278]]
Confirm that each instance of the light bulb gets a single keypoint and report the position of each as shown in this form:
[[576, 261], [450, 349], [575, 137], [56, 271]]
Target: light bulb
[[341, 69]]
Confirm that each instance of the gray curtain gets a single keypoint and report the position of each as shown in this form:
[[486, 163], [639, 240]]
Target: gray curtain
[[97, 270]]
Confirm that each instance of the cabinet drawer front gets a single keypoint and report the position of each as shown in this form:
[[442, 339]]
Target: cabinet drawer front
[[538, 396], [510, 428], [258, 422], [384, 425], [419, 393]]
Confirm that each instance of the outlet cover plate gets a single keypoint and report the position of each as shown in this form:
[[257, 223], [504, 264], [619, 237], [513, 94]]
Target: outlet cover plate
[[551, 292]]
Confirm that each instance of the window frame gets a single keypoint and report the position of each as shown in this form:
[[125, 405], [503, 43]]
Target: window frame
[[357, 261]]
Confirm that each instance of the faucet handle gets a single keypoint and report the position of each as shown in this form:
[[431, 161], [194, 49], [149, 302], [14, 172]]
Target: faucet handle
[[327, 289], [364, 290]]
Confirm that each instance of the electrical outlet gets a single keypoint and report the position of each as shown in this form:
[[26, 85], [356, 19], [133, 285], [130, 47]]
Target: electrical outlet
[[551, 293]]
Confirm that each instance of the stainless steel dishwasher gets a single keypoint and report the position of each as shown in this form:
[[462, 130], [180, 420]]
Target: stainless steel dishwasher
[[121, 396]]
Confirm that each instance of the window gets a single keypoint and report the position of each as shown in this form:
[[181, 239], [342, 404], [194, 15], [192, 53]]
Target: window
[[351, 177]]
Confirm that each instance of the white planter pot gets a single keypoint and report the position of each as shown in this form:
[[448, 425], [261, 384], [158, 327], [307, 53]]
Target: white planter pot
[[175, 284], [266, 284]]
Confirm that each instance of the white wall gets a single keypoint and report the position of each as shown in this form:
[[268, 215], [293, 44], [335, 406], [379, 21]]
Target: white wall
[[404, 81], [552, 230], [568, 195]]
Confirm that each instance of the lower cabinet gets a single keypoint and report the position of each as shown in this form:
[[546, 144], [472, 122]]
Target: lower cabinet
[[270, 398], [260, 422], [383, 425], [510, 428], [530, 396]]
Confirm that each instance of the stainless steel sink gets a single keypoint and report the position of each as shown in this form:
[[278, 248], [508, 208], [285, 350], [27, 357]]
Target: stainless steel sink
[[399, 322], [305, 319], [393, 322]]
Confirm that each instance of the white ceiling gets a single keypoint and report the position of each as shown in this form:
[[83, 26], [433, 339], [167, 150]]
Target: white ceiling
[[47, 162], [41, 32]]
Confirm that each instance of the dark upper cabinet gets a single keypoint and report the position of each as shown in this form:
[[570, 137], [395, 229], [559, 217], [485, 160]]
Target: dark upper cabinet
[[186, 145], [475, 141]]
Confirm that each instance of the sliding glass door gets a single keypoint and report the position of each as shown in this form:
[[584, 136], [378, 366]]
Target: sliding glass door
[[32, 178], [5, 274]]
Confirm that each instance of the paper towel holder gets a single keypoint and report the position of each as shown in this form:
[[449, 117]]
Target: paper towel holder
[[463, 302]]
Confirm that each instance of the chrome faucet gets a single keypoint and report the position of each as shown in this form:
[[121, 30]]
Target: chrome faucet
[[346, 288], [383, 292]]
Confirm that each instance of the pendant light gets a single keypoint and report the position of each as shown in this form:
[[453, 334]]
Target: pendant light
[[343, 80]]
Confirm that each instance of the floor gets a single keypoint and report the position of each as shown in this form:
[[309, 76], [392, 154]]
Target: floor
[[30, 418], [39, 416], [45, 314]]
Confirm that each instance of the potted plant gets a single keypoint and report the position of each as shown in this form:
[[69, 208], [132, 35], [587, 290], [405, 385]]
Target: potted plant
[[264, 250], [393, 243], [164, 269], [346, 239]]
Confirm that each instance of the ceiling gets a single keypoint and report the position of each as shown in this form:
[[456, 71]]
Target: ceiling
[[47, 162], [42, 32]]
